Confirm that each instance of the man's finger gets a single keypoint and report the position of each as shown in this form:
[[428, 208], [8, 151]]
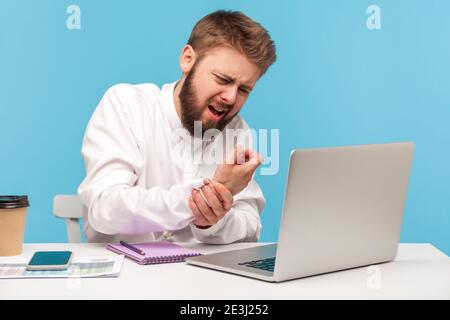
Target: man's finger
[[206, 211], [214, 202], [236, 156], [224, 194], [199, 219], [253, 157], [200, 192]]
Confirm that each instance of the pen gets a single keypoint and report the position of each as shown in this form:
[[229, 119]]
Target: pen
[[133, 248]]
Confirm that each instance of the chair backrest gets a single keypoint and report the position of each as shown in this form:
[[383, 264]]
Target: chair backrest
[[71, 208]]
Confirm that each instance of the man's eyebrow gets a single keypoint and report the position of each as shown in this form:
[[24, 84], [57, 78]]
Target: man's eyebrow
[[232, 79], [226, 77]]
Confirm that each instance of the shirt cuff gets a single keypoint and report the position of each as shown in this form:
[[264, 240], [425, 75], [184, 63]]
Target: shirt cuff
[[188, 186], [209, 231]]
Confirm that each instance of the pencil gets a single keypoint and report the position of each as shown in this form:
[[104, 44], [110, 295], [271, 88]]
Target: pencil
[[133, 248]]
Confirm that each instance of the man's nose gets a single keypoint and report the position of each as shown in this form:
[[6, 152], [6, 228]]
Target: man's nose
[[229, 95]]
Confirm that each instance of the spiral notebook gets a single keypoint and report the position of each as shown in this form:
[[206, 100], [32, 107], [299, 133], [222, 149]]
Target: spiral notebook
[[155, 252]]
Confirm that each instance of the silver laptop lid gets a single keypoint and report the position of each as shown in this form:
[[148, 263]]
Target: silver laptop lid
[[343, 208]]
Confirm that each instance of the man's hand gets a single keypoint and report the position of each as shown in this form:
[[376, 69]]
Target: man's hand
[[218, 202], [238, 169]]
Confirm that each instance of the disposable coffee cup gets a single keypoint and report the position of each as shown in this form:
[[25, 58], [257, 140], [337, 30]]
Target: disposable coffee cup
[[13, 211]]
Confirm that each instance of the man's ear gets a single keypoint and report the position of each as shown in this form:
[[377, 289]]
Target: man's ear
[[187, 59]]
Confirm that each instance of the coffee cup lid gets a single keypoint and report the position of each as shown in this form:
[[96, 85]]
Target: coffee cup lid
[[13, 202]]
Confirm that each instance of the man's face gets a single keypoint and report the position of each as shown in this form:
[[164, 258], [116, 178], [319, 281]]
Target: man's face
[[216, 88]]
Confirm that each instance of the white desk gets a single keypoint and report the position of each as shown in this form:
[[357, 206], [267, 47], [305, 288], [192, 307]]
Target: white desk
[[420, 271]]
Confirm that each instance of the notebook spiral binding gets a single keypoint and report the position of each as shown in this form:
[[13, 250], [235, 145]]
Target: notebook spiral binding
[[158, 252], [169, 259]]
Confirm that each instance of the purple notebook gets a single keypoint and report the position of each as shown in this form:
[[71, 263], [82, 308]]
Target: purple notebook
[[155, 252]]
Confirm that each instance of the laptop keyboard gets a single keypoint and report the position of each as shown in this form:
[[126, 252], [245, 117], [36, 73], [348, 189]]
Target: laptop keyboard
[[264, 264]]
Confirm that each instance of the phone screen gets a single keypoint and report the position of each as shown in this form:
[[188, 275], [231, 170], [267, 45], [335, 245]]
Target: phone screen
[[48, 258]]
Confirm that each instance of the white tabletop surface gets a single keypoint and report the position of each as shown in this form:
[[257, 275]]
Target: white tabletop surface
[[420, 271]]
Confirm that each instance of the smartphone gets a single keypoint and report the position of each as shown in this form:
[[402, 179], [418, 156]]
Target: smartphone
[[50, 260]]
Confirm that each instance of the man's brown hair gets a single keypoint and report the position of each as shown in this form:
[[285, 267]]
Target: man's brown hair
[[235, 29]]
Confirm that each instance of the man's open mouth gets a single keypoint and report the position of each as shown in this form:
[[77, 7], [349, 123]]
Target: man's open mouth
[[216, 113]]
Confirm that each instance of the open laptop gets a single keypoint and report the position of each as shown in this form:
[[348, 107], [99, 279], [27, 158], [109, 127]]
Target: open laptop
[[343, 208]]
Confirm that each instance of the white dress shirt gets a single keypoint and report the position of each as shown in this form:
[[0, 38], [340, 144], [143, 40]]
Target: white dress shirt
[[140, 172]]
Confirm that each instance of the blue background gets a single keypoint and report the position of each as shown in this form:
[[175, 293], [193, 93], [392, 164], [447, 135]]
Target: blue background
[[335, 83]]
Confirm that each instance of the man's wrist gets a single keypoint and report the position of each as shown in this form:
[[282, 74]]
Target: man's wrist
[[221, 183]]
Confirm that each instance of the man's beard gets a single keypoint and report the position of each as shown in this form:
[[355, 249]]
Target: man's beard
[[191, 112]]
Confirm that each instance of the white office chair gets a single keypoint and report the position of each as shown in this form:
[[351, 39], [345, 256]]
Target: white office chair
[[71, 208]]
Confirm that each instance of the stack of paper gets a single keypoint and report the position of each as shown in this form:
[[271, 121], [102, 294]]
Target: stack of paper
[[81, 267]]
